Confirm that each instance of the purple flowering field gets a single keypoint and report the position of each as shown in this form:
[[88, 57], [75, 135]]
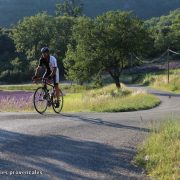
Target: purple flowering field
[[16, 101]]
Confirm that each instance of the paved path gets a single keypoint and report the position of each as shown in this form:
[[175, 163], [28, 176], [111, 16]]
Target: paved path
[[79, 145]]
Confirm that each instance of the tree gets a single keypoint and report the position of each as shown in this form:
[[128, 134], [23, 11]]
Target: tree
[[7, 50], [32, 33], [165, 31], [104, 45], [62, 36], [69, 8]]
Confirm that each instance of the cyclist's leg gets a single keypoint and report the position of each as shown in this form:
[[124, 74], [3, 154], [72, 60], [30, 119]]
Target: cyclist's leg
[[56, 84], [46, 74]]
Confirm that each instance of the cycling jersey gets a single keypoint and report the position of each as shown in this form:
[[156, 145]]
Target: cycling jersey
[[50, 64]]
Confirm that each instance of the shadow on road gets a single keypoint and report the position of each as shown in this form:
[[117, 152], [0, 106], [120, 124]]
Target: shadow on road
[[101, 122], [76, 117], [62, 157], [165, 94]]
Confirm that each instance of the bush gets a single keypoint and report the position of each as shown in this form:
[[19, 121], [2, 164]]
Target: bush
[[15, 76]]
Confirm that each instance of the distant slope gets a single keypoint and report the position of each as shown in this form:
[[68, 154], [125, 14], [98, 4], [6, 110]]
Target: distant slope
[[143, 8], [13, 10]]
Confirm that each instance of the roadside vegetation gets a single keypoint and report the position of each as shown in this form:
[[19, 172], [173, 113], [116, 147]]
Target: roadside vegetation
[[110, 99], [66, 88], [159, 80], [160, 155], [80, 99]]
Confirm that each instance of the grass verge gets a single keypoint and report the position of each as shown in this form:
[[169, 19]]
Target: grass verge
[[109, 99], [31, 88], [106, 99], [160, 154], [160, 81]]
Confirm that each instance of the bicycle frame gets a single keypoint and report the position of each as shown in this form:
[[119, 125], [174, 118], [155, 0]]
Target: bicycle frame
[[50, 94], [44, 82]]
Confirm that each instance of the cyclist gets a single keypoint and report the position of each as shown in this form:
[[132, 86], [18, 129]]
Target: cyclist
[[52, 71]]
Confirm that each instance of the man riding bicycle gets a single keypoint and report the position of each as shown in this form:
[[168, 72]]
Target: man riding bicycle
[[52, 71]]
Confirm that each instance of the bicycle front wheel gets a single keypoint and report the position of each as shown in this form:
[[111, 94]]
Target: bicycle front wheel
[[40, 100], [58, 109]]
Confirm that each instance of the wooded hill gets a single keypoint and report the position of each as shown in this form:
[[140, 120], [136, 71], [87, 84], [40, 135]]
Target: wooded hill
[[13, 10]]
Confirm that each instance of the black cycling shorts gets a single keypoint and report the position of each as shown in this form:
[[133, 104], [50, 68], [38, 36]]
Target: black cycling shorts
[[55, 77]]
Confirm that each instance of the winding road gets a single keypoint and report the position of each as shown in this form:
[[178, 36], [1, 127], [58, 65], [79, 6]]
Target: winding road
[[85, 146]]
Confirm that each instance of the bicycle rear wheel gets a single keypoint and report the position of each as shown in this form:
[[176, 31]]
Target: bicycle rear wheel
[[40, 100], [54, 103]]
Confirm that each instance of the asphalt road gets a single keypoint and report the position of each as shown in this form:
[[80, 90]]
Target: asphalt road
[[72, 146]]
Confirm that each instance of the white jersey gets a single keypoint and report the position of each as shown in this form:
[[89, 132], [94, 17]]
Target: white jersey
[[50, 65]]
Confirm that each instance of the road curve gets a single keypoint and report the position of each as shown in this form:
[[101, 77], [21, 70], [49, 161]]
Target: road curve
[[73, 146]]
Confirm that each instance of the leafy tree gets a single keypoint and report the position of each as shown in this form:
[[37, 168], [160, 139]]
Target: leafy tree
[[62, 33], [7, 50], [104, 45], [32, 33], [166, 31], [17, 63], [69, 8], [36, 31], [62, 36]]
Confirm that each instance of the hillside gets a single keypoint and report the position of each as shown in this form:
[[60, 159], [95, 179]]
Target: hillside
[[13, 10]]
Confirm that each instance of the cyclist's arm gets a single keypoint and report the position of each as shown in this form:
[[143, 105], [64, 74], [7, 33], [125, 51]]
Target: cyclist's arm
[[53, 72], [38, 69]]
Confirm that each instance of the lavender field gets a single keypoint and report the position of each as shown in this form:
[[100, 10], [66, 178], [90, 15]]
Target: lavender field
[[16, 101]]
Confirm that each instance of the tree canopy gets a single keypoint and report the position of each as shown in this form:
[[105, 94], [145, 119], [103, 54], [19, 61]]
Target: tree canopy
[[104, 45], [166, 31], [72, 8], [35, 32]]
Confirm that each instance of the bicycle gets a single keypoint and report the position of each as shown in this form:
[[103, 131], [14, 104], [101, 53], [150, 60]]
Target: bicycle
[[45, 97]]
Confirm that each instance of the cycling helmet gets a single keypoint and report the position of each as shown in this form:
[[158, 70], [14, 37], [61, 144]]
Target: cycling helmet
[[45, 50]]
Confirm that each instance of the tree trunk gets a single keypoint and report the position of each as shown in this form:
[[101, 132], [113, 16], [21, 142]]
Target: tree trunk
[[117, 82], [116, 79]]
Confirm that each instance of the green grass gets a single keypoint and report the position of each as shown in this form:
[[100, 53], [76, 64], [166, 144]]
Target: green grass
[[25, 87], [109, 99], [31, 87], [129, 103], [159, 81], [160, 154]]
